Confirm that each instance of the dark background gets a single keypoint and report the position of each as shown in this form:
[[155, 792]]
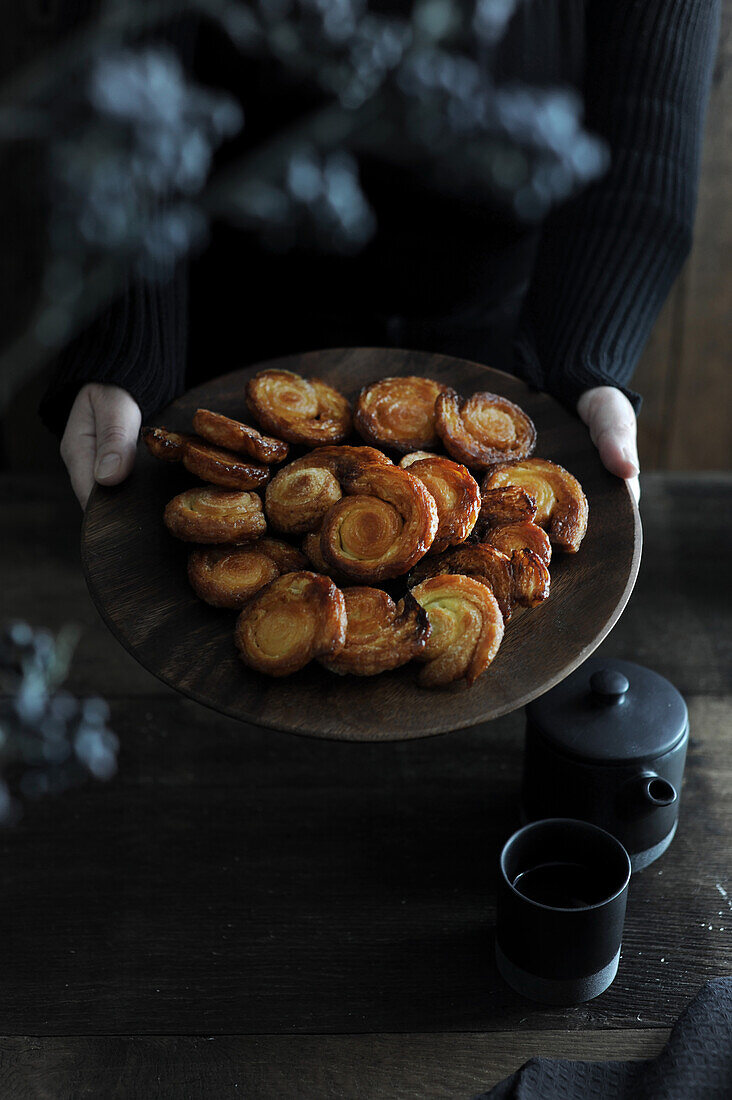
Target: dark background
[[684, 372]]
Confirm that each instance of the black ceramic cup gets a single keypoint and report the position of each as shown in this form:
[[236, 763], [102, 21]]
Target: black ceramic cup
[[562, 891]]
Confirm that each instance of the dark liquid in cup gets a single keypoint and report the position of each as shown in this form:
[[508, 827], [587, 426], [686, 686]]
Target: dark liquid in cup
[[562, 885]]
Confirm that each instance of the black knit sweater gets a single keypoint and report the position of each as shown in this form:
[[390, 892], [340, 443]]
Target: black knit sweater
[[583, 291]]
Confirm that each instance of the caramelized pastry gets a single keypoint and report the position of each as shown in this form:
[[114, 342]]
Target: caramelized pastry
[[296, 618], [466, 629], [287, 558], [169, 446], [456, 494], [507, 505], [301, 493], [520, 536], [223, 468], [234, 436], [385, 524], [311, 550], [521, 578], [215, 515], [380, 634], [414, 456], [561, 505], [398, 413], [227, 576], [300, 411], [483, 429]]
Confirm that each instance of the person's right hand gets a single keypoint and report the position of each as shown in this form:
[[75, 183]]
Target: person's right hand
[[100, 437]]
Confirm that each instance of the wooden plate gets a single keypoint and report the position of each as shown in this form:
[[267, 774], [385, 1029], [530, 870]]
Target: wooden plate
[[136, 574]]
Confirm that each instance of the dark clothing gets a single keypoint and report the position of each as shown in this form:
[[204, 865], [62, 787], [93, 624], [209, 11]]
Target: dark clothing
[[567, 306]]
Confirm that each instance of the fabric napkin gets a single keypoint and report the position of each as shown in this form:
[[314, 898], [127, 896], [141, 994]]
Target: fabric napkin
[[695, 1064]]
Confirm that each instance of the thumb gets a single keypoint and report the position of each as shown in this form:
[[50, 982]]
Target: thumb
[[117, 424], [611, 420]]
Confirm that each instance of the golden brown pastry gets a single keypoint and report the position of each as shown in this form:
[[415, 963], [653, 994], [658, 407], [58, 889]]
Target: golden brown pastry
[[227, 576], [296, 618], [521, 578], [234, 436], [466, 629], [287, 558], [561, 504], [520, 536], [380, 634], [456, 494], [398, 413], [297, 409], [507, 505], [302, 492], [483, 429], [298, 498], [311, 550], [385, 524], [414, 456], [166, 445], [215, 515], [223, 468]]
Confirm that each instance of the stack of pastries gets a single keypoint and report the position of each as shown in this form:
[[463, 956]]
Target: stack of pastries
[[365, 557]]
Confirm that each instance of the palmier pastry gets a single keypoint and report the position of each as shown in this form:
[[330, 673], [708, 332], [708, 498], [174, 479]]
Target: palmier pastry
[[521, 578], [520, 536], [385, 524], [226, 576], [166, 445], [287, 558], [311, 550], [414, 456], [561, 505], [466, 629], [456, 494], [234, 436], [509, 504], [301, 493], [223, 468], [296, 618], [398, 413], [380, 634], [298, 410], [215, 515], [483, 429]]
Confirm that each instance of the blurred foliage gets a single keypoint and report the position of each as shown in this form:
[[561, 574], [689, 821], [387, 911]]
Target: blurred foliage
[[49, 740], [129, 138]]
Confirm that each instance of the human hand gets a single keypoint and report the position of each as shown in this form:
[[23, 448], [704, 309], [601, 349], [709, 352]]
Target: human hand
[[611, 420], [100, 437]]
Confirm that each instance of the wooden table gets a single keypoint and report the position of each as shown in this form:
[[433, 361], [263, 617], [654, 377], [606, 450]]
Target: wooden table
[[242, 912]]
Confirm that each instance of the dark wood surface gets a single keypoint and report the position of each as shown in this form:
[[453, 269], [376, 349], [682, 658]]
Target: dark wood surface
[[245, 912], [137, 576]]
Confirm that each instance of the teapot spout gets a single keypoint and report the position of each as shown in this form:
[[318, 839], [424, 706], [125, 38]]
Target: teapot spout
[[656, 791]]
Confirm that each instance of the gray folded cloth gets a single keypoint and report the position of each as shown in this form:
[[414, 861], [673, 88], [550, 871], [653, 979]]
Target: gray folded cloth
[[695, 1064]]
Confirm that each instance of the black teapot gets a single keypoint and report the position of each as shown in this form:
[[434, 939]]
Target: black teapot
[[608, 746]]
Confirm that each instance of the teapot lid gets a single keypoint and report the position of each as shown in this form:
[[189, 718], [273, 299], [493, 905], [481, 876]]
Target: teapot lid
[[611, 711]]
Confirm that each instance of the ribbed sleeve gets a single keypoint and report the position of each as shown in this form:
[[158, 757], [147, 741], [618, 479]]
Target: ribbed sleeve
[[138, 343], [606, 260]]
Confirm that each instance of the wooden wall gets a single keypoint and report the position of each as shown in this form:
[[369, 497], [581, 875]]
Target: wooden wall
[[685, 372]]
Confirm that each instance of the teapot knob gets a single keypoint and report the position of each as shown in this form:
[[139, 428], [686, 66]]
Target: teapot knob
[[609, 686]]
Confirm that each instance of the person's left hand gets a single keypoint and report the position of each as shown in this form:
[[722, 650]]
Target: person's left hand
[[611, 420]]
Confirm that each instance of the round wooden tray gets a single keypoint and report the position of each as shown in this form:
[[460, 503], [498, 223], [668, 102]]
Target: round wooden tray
[[136, 574]]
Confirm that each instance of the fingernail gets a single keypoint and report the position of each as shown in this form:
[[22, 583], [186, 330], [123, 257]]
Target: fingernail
[[630, 457], [107, 466]]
